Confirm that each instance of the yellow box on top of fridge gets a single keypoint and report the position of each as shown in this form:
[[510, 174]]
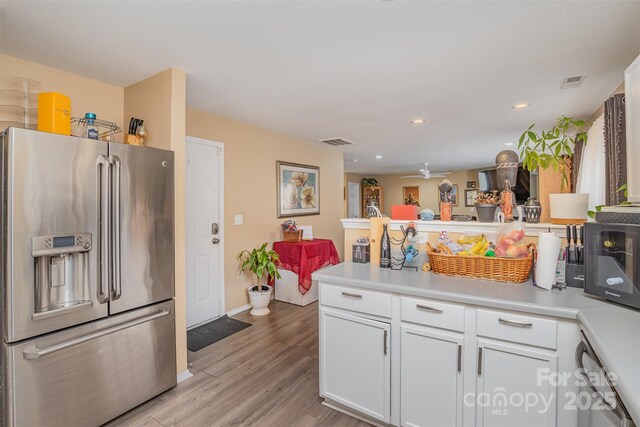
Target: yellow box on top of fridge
[[54, 113]]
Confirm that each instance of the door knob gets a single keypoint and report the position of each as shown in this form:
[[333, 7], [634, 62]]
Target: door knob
[[215, 240]]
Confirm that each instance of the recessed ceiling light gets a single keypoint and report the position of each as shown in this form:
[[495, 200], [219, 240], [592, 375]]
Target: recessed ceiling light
[[508, 144], [519, 106], [417, 121], [355, 160], [379, 156]]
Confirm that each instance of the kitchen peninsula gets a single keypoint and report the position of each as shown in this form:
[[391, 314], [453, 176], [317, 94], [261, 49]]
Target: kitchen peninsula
[[416, 348]]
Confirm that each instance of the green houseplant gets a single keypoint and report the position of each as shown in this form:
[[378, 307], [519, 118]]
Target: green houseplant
[[260, 261], [552, 148]]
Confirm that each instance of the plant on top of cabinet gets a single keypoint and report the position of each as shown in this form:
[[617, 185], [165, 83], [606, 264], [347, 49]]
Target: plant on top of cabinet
[[369, 182], [260, 261]]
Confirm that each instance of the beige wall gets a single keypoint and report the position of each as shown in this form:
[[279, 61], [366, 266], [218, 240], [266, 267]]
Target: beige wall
[[429, 195], [250, 189], [160, 101], [87, 95]]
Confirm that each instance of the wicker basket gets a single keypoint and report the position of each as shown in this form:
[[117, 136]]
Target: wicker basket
[[292, 236], [481, 267]]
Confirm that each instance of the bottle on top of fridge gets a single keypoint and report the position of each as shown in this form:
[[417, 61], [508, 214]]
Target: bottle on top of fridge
[[90, 127]]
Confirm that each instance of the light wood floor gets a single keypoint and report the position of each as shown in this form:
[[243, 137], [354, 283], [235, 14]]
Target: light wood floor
[[265, 375]]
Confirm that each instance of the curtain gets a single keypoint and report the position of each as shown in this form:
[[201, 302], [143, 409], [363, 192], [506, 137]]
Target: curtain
[[615, 148], [591, 175]]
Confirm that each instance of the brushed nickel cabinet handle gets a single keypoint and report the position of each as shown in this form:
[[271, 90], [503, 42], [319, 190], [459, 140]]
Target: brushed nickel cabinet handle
[[519, 323], [459, 358], [427, 308], [350, 295], [479, 360], [385, 341]]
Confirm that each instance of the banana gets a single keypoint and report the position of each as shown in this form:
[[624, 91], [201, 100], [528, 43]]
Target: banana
[[485, 248], [469, 239], [478, 246]]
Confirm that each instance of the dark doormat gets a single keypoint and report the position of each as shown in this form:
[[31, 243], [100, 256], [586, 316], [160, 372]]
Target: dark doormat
[[209, 333]]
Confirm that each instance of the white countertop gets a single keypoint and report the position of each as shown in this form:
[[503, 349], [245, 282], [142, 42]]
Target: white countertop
[[614, 331]]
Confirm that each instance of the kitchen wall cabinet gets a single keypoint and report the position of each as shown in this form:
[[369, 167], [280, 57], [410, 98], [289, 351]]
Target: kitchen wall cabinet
[[355, 366], [431, 377], [510, 389]]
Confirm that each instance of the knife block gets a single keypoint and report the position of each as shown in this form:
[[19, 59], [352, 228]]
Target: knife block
[[133, 140]]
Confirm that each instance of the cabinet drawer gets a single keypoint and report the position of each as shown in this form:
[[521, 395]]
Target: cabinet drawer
[[517, 328], [433, 313], [355, 299]]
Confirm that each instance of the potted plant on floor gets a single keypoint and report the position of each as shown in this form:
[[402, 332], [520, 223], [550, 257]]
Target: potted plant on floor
[[552, 148], [260, 261]]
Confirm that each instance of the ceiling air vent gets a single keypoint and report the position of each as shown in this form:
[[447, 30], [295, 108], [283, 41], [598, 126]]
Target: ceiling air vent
[[337, 141], [572, 82]]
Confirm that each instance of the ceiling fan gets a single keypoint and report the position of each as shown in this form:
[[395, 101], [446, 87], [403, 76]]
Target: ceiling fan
[[425, 173]]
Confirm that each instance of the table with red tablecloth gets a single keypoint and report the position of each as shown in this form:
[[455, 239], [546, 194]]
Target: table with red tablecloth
[[305, 257]]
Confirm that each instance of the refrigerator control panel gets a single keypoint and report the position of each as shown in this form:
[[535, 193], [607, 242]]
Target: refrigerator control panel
[[57, 245]]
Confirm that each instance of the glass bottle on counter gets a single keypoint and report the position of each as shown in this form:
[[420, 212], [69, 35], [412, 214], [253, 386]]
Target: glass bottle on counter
[[385, 248]]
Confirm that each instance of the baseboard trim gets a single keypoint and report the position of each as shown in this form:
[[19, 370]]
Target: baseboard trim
[[184, 376], [340, 408], [238, 310]]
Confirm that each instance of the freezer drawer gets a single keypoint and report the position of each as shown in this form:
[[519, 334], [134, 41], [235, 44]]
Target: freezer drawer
[[90, 374]]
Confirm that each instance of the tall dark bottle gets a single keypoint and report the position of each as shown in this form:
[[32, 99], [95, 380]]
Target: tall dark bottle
[[385, 249]]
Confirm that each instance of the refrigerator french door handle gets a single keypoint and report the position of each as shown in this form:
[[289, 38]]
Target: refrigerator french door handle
[[116, 290], [102, 165], [35, 353]]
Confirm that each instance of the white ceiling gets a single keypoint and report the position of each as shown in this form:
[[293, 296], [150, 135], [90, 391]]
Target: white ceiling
[[361, 70]]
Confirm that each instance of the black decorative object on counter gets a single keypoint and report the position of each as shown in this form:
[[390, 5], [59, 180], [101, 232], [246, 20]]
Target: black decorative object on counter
[[532, 210], [385, 249]]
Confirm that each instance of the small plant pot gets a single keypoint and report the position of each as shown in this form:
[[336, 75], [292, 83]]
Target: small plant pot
[[486, 212], [260, 299]]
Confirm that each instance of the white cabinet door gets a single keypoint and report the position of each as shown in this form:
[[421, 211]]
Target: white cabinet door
[[512, 386], [431, 377], [355, 363]]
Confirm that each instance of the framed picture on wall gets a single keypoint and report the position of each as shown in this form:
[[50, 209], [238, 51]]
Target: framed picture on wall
[[298, 189], [471, 184], [469, 197], [454, 195], [411, 195]]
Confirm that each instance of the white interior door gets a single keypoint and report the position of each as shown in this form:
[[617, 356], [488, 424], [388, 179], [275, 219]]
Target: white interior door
[[353, 199], [204, 231]]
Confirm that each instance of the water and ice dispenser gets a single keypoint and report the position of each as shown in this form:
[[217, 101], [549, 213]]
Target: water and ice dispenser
[[62, 273]]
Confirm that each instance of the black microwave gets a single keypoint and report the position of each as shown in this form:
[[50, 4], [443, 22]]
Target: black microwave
[[612, 262]]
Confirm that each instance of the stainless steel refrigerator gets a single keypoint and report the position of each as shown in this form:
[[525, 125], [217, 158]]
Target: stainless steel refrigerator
[[87, 278]]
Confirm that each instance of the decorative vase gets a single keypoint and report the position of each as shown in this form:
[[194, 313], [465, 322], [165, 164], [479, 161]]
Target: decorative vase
[[507, 167], [486, 212], [532, 210], [260, 295], [445, 211], [569, 208]]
